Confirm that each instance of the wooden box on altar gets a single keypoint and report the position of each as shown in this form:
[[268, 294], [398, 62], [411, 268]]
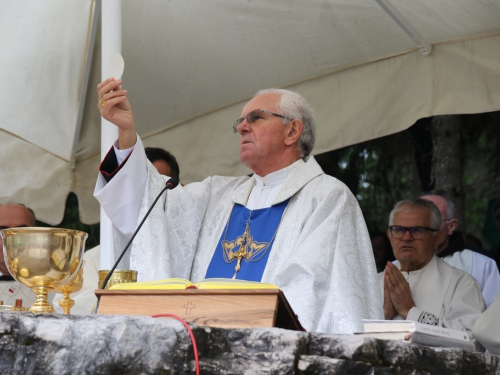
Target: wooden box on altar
[[226, 308]]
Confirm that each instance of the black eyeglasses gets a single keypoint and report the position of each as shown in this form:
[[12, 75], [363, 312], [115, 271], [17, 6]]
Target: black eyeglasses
[[255, 115], [417, 233]]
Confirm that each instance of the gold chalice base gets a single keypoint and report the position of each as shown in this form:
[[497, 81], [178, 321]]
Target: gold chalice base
[[73, 286]]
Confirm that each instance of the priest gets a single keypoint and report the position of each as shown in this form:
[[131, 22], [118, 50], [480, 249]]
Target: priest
[[288, 224], [419, 286]]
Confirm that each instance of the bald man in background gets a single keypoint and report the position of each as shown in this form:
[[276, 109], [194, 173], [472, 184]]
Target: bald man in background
[[14, 215], [451, 248]]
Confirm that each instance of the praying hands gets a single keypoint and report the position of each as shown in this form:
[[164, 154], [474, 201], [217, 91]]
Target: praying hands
[[397, 294]]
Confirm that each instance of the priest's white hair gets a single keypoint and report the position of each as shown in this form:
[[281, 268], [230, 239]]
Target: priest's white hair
[[294, 106]]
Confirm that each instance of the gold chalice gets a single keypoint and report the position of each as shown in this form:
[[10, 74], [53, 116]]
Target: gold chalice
[[43, 259], [74, 285]]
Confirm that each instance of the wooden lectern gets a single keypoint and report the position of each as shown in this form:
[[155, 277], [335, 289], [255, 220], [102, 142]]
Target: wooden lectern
[[226, 308]]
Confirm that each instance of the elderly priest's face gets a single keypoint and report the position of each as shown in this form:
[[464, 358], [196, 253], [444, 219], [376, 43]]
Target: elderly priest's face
[[263, 141], [413, 254]]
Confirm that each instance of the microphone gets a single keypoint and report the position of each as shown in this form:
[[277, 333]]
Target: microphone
[[170, 184]]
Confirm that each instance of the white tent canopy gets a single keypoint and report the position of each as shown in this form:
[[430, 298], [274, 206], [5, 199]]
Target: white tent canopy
[[190, 66]]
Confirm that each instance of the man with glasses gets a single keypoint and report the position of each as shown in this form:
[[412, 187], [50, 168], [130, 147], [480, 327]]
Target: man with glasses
[[288, 224], [451, 248], [419, 286]]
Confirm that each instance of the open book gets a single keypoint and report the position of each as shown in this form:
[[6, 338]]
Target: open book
[[175, 283]]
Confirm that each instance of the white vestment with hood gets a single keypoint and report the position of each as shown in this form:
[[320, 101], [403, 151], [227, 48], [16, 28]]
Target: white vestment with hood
[[321, 256]]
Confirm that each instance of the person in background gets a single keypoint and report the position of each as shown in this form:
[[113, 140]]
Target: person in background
[[12, 292], [451, 248], [473, 243], [419, 286], [164, 162]]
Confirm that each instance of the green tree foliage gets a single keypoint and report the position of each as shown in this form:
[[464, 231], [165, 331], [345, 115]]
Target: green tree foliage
[[378, 172], [385, 170]]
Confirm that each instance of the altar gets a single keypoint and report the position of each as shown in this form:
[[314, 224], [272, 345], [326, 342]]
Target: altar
[[118, 344]]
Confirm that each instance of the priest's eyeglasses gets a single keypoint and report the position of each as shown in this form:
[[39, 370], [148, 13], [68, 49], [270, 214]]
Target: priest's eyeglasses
[[255, 115], [417, 233]]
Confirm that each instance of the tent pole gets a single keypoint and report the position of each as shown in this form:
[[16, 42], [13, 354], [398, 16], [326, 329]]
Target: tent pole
[[406, 26], [111, 43], [94, 16]]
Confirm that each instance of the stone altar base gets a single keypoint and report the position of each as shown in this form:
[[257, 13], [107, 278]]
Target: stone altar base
[[112, 344]]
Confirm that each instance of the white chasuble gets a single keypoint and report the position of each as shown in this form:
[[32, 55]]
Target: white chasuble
[[443, 296], [321, 256]]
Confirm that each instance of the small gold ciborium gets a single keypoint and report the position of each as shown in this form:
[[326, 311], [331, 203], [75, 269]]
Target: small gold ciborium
[[74, 285], [43, 259], [117, 277]]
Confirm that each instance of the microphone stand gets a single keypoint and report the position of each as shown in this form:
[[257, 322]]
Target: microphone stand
[[170, 184]]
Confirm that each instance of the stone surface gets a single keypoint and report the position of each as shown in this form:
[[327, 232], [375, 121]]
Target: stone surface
[[355, 348], [58, 344], [255, 351], [312, 365], [34, 344]]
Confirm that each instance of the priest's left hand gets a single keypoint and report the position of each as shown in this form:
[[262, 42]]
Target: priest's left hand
[[399, 290]]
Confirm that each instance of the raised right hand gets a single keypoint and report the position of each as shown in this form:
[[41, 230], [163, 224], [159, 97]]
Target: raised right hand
[[115, 107]]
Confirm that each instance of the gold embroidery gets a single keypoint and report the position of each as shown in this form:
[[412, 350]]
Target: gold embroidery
[[244, 246]]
